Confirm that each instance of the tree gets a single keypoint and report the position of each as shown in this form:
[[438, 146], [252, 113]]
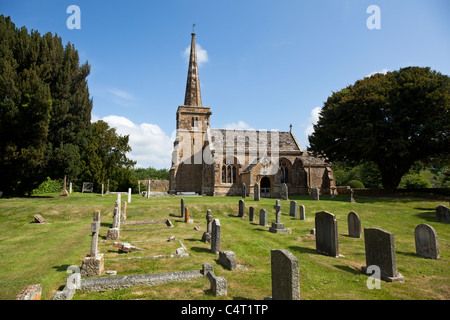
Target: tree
[[105, 158], [392, 120]]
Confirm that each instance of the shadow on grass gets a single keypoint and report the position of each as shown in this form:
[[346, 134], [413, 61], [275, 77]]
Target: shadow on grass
[[303, 249], [427, 215], [61, 268], [200, 249], [347, 269]]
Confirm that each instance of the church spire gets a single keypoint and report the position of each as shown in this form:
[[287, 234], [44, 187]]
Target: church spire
[[193, 96]]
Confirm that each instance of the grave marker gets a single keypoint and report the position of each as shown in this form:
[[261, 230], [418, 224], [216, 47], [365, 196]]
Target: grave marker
[[302, 214], [442, 214], [326, 234], [256, 192], [426, 241], [284, 191], [285, 275], [93, 264], [215, 236], [293, 209], [277, 226], [38, 218], [263, 217], [354, 225], [241, 208], [315, 194], [251, 214], [207, 235]]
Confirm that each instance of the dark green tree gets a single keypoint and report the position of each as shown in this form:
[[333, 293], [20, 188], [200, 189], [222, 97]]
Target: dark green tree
[[392, 120], [105, 158]]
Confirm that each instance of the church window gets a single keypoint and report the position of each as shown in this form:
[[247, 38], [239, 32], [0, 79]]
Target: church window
[[224, 174], [284, 172], [192, 122], [229, 174]]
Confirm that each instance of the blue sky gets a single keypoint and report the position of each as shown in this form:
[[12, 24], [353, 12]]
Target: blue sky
[[266, 64]]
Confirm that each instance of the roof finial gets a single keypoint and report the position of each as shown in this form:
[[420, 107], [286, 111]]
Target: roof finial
[[290, 127], [193, 28]]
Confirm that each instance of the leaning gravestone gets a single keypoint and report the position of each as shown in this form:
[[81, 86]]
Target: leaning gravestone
[[256, 192], [38, 219], [442, 214], [241, 208], [315, 194], [228, 260], [263, 217], [380, 251], [354, 225], [285, 275], [293, 209], [426, 241], [326, 234], [215, 236]]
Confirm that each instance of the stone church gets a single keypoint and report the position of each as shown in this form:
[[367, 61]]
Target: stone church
[[218, 162]]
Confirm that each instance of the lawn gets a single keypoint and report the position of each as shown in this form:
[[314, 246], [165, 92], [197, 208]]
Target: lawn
[[41, 253]]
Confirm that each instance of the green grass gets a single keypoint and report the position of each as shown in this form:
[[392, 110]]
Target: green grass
[[32, 253]]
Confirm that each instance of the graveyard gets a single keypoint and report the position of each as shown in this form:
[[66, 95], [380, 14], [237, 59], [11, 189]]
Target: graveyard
[[155, 239]]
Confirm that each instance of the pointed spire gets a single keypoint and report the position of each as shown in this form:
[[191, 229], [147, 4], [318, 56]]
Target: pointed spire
[[193, 96]]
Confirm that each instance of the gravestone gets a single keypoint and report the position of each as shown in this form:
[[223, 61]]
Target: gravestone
[[426, 241], [93, 264], [64, 192], [256, 192], [126, 247], [114, 230], [332, 192], [315, 194], [228, 260], [351, 200], [241, 208], [148, 189], [354, 225], [244, 190], [207, 235], [251, 214], [186, 216], [442, 214], [284, 191], [263, 217], [87, 187], [129, 195], [380, 251], [215, 236], [326, 234], [293, 209], [103, 189], [277, 226], [302, 214], [124, 211], [285, 275], [182, 207], [70, 187], [38, 218]]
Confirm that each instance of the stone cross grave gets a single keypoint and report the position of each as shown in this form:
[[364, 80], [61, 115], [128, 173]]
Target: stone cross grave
[[293, 209], [263, 217], [426, 241], [241, 208], [215, 236], [302, 215], [351, 200], [380, 252], [277, 226], [326, 234], [354, 225], [256, 192], [315, 194], [207, 235], [285, 275]]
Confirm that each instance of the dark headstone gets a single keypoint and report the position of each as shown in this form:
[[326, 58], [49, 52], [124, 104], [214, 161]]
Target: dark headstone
[[285, 275], [426, 241], [354, 225], [326, 234]]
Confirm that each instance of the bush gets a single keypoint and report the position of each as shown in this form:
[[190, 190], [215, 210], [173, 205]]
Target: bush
[[355, 184], [49, 186], [414, 181]]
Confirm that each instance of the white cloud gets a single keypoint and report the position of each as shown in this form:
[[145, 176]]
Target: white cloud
[[384, 71], [240, 125], [312, 120], [202, 54], [121, 94], [150, 145]]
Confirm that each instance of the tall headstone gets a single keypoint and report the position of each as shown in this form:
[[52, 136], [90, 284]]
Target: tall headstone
[[302, 214], [186, 216], [124, 211], [263, 217], [103, 189], [241, 208], [244, 190], [215, 236], [277, 226], [251, 214], [442, 214], [354, 225], [113, 231], [93, 264], [284, 191], [315, 194], [182, 207], [285, 275], [326, 234], [293, 209], [64, 192], [207, 235], [380, 251], [129, 195], [148, 189], [70, 187], [256, 192], [426, 241]]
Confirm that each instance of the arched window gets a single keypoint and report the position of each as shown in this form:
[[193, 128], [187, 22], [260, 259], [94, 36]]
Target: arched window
[[284, 172], [229, 173], [224, 174], [192, 122]]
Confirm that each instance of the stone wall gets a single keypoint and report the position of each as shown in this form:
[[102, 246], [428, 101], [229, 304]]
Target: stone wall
[[155, 185]]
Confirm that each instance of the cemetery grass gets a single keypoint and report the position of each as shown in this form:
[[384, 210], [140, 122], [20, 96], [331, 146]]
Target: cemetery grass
[[41, 253]]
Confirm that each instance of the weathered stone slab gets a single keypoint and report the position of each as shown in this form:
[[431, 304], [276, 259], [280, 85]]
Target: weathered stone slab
[[354, 225], [326, 234], [293, 209], [215, 236], [251, 214], [241, 208], [263, 217], [315, 194], [38, 218], [92, 266], [32, 292], [113, 234], [126, 247], [227, 259], [218, 284], [207, 235], [285, 275], [302, 213], [426, 241], [380, 251], [442, 214], [256, 192], [182, 208]]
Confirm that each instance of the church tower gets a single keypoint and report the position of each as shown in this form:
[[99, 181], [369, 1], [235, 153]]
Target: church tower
[[193, 120]]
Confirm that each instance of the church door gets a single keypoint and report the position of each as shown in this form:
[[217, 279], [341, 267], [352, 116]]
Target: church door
[[265, 187]]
